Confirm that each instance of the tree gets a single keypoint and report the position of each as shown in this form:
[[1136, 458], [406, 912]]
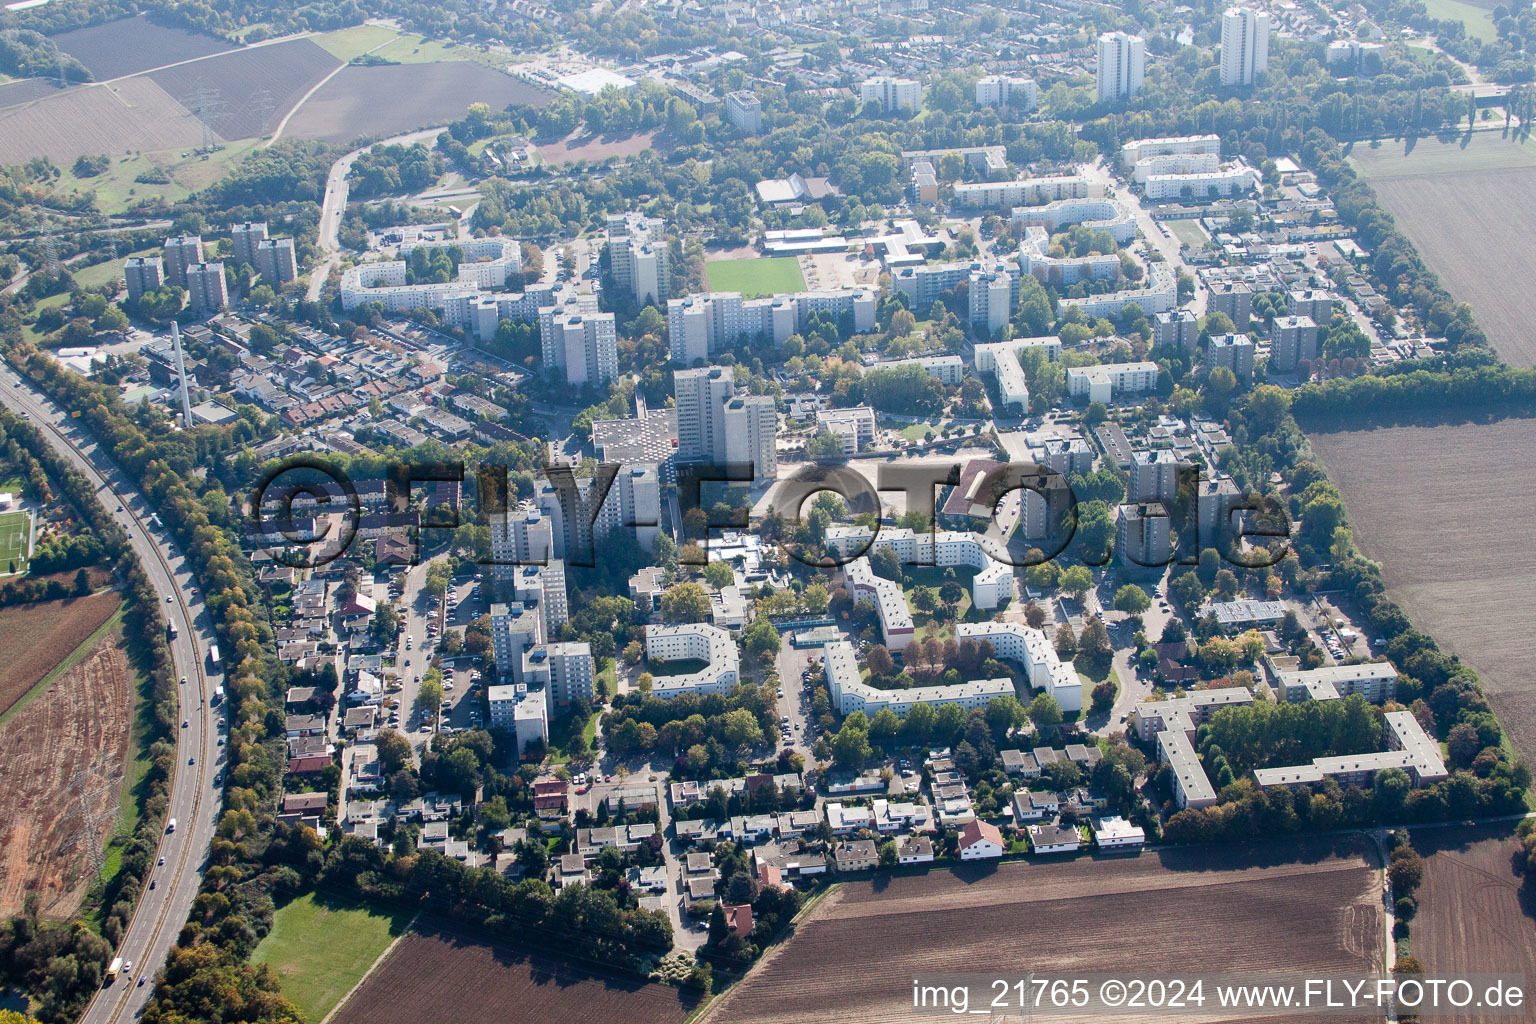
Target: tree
[[1045, 712], [1077, 580], [761, 639], [1132, 600], [430, 696], [1095, 644], [1103, 697], [687, 602], [719, 575]]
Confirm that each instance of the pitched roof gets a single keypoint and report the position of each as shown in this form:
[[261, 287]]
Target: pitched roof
[[976, 830]]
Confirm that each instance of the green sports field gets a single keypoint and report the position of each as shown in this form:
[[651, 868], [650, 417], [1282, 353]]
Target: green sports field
[[321, 949], [15, 534], [1477, 18], [1189, 232], [756, 277]]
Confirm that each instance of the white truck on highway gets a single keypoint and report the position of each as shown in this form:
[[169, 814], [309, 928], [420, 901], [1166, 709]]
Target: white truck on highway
[[114, 968]]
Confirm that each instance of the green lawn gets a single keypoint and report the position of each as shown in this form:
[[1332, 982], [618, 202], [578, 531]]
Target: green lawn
[[1477, 19], [15, 540], [189, 172], [1189, 232], [415, 49], [1483, 151], [756, 277], [321, 949], [347, 43]]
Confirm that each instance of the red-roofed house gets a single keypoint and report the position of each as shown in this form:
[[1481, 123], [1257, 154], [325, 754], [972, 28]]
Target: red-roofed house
[[549, 798], [980, 841], [769, 874], [739, 918]]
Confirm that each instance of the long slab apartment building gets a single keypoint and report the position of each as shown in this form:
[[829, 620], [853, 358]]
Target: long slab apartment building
[[1173, 724]]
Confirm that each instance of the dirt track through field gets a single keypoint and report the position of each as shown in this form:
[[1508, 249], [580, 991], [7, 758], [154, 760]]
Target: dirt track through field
[[61, 781]]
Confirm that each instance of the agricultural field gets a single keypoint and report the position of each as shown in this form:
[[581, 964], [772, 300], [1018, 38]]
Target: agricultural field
[[1289, 906], [756, 277], [37, 637], [321, 950], [1476, 914], [1450, 549], [131, 45], [133, 114], [61, 780], [253, 88], [392, 99], [12, 92], [434, 967], [15, 541], [1456, 202]]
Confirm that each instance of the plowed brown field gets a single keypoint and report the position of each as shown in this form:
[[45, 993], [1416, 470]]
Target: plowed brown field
[[1302, 906], [36, 637], [61, 780], [437, 974], [1475, 915]]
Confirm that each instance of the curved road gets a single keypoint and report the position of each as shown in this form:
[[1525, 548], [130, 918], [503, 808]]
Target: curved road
[[196, 793], [334, 206]]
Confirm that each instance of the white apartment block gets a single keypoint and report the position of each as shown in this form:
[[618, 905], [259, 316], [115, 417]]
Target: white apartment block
[[639, 258], [245, 238], [693, 642], [1179, 327], [1175, 163], [1173, 722], [565, 669], [1135, 151], [896, 627], [1032, 650], [1002, 360], [276, 261], [854, 428], [181, 252], [1409, 749], [1121, 66], [1097, 212], [1234, 178], [523, 712], [849, 693], [744, 110], [1024, 191], [1004, 91], [1376, 681], [892, 93], [634, 504], [714, 424], [581, 343], [701, 324], [991, 300], [143, 274], [947, 370], [470, 302], [1244, 45], [1102, 382], [990, 161], [991, 586], [207, 290]]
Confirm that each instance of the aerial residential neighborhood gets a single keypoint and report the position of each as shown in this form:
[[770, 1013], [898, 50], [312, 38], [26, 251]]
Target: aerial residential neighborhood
[[718, 512]]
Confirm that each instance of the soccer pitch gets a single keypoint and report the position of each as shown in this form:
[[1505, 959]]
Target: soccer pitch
[[15, 535], [767, 275]]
